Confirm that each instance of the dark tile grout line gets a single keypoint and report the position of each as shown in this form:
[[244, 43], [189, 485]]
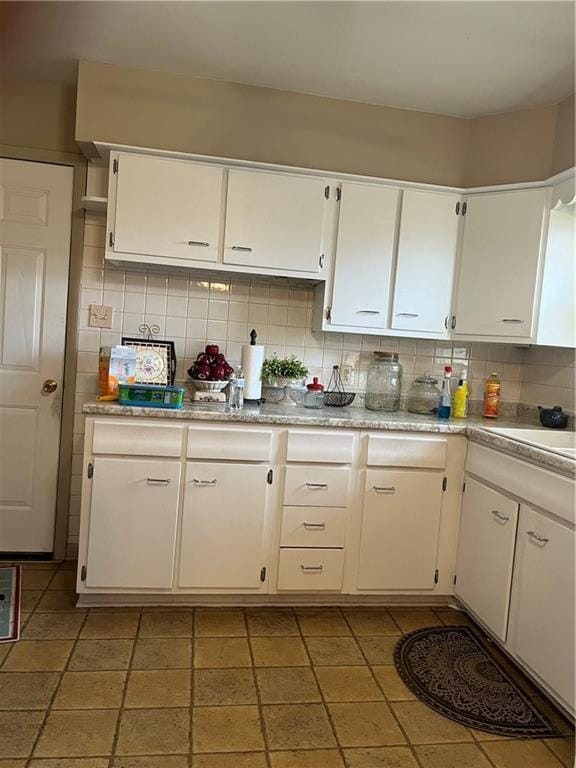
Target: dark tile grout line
[[261, 719], [116, 736], [112, 756]]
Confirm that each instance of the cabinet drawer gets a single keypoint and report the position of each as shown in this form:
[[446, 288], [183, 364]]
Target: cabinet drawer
[[316, 487], [137, 439], [322, 447], [313, 527], [229, 444], [406, 451], [310, 570]]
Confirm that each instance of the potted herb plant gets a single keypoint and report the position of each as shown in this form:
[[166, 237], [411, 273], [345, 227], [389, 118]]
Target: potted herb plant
[[280, 377]]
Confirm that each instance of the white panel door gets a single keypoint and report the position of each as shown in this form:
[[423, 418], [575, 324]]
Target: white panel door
[[400, 523], [544, 600], [132, 529], [35, 220], [427, 248], [274, 221], [223, 526], [364, 254], [167, 208], [486, 554], [499, 263]]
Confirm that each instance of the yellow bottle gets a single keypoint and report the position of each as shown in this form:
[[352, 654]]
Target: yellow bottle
[[460, 410]]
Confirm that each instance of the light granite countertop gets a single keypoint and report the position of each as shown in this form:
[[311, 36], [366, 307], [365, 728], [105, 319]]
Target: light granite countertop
[[476, 428]]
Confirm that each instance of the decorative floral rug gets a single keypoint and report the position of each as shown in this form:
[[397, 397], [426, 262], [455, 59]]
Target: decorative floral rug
[[449, 669]]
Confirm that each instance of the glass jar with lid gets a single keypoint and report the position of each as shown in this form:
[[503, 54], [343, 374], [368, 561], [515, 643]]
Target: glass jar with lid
[[384, 382], [424, 395], [314, 397]]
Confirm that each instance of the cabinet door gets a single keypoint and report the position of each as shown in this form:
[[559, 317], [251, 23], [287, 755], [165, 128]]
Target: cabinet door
[[486, 554], [500, 251], [364, 251], [132, 529], [544, 600], [400, 522], [167, 208], [557, 325], [426, 258], [223, 526], [274, 221]]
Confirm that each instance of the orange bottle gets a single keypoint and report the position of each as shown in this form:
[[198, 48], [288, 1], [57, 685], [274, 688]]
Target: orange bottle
[[492, 396]]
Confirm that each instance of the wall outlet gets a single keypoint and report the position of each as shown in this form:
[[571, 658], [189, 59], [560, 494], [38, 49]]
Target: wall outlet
[[100, 316], [346, 373]]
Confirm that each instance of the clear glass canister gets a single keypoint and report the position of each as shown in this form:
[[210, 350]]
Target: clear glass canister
[[314, 397], [424, 395], [384, 382]]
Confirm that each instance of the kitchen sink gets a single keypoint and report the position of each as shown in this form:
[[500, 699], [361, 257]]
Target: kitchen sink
[[557, 441]]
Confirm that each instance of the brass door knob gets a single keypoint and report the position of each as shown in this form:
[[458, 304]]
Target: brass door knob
[[49, 386]]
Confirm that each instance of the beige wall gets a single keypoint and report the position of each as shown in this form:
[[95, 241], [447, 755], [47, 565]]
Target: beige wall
[[37, 115], [564, 152], [178, 112]]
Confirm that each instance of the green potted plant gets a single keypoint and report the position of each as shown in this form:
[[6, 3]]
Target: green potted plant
[[280, 377]]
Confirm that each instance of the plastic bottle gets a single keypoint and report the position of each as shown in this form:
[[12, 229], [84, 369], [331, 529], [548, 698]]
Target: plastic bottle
[[445, 406], [461, 397], [492, 396], [236, 395]]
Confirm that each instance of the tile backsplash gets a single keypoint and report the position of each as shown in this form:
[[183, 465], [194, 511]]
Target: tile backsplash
[[194, 312]]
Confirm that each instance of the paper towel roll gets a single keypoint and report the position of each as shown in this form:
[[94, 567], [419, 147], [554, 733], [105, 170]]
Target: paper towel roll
[[252, 360]]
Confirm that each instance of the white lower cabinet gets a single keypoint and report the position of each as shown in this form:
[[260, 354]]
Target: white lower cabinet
[[486, 554], [400, 526], [223, 523], [132, 525], [543, 603]]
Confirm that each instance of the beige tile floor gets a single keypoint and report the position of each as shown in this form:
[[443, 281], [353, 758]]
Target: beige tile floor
[[259, 688]]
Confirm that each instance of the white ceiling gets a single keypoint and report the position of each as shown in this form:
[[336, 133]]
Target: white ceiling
[[459, 58]]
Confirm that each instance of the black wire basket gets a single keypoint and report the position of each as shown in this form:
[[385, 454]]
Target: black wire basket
[[336, 396]]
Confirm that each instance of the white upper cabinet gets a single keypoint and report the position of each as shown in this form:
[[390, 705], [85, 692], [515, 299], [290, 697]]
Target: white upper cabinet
[[165, 208], [364, 255], [427, 249], [500, 263], [274, 221], [557, 325]]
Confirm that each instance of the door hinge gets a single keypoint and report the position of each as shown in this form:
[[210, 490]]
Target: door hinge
[[270, 477], [454, 579], [328, 313], [111, 239], [436, 576], [464, 208], [115, 165], [83, 573], [444, 483], [453, 322], [327, 192], [463, 486], [457, 208], [321, 261], [338, 193], [263, 574], [90, 472]]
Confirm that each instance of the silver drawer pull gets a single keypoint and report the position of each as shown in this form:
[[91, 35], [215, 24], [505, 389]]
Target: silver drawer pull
[[200, 243], [204, 482], [241, 248], [319, 526], [536, 537], [406, 314], [367, 311], [317, 485], [312, 568], [384, 488], [158, 480], [499, 515], [512, 320]]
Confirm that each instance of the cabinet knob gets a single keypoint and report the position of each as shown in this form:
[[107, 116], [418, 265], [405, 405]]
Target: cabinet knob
[[512, 320], [241, 248], [49, 386], [406, 314], [367, 311], [158, 480], [500, 516], [204, 482], [312, 568], [314, 526], [384, 488], [199, 243], [316, 486]]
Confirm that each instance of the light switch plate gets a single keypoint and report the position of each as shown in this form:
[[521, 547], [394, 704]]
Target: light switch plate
[[100, 316]]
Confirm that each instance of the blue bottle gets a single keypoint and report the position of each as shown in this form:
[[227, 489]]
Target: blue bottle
[[445, 406]]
